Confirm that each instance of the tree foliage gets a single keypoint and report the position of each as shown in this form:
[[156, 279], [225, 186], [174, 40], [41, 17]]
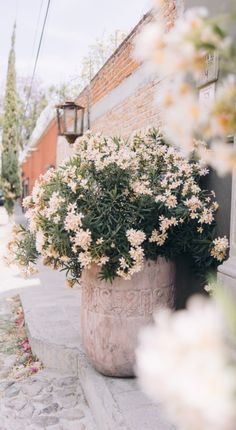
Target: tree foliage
[[32, 99], [98, 54], [10, 143]]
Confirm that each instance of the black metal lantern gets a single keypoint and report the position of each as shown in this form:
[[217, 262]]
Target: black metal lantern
[[70, 119]]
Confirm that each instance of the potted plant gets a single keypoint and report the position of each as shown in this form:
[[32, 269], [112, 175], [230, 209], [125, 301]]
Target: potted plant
[[114, 217]]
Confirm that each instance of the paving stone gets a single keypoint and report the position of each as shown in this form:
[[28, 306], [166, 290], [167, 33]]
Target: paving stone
[[75, 426], [13, 423], [5, 384], [12, 391], [26, 412], [67, 401], [4, 373], [67, 381], [67, 391], [44, 399], [56, 427], [33, 387], [49, 409], [45, 421], [72, 414], [16, 404]]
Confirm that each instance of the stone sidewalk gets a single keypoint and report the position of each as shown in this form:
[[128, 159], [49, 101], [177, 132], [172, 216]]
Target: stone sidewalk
[[47, 400]]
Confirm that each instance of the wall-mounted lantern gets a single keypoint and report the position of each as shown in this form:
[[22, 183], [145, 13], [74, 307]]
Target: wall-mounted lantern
[[70, 120]]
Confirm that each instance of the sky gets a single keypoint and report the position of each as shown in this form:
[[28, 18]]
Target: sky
[[72, 26]]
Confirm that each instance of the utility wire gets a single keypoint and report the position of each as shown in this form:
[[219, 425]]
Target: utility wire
[[37, 26], [37, 56], [28, 80]]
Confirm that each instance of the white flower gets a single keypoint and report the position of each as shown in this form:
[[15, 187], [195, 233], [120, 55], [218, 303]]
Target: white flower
[[83, 239], [65, 259], [85, 259], [141, 187], [54, 204], [220, 247], [171, 201], [221, 120], [166, 223], [73, 221], [193, 203], [149, 46], [135, 237], [57, 219], [27, 202], [158, 237], [175, 51], [177, 100], [178, 58], [73, 186], [28, 270], [101, 261], [40, 240], [123, 263], [137, 254], [31, 215], [221, 156], [37, 193], [206, 216], [182, 363], [124, 274]]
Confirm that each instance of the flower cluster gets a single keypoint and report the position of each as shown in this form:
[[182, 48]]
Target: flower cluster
[[10, 194], [220, 247], [180, 55], [116, 203], [183, 362], [21, 251]]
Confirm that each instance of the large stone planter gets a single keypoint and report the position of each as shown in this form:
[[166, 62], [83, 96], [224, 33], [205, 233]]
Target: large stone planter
[[113, 313]]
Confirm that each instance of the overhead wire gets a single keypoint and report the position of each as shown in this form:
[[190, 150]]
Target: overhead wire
[[37, 57], [37, 27], [28, 78]]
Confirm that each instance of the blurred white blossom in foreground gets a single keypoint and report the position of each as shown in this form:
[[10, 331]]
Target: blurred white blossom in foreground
[[183, 362], [177, 54]]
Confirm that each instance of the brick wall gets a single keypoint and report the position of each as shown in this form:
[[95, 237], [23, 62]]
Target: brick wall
[[135, 112], [121, 96], [42, 157]]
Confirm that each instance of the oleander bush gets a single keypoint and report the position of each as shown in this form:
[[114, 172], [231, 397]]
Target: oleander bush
[[116, 203]]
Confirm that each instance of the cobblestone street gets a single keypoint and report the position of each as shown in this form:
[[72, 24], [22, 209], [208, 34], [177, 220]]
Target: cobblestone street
[[45, 400]]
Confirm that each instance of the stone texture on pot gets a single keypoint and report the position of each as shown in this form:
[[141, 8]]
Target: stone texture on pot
[[113, 313]]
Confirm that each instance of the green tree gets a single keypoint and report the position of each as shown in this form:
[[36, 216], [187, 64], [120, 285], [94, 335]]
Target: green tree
[[98, 54], [32, 99], [10, 144]]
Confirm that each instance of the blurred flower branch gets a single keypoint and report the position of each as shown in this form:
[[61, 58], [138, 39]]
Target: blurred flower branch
[[178, 57], [186, 360]]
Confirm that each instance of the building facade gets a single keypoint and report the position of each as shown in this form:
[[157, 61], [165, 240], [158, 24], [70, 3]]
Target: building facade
[[40, 153]]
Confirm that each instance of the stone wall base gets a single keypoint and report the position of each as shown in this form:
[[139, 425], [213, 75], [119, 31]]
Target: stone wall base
[[227, 273]]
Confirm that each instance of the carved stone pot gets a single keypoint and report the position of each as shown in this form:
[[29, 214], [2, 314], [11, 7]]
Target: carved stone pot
[[112, 314]]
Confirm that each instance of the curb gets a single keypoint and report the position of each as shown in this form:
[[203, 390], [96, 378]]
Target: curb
[[115, 403]]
